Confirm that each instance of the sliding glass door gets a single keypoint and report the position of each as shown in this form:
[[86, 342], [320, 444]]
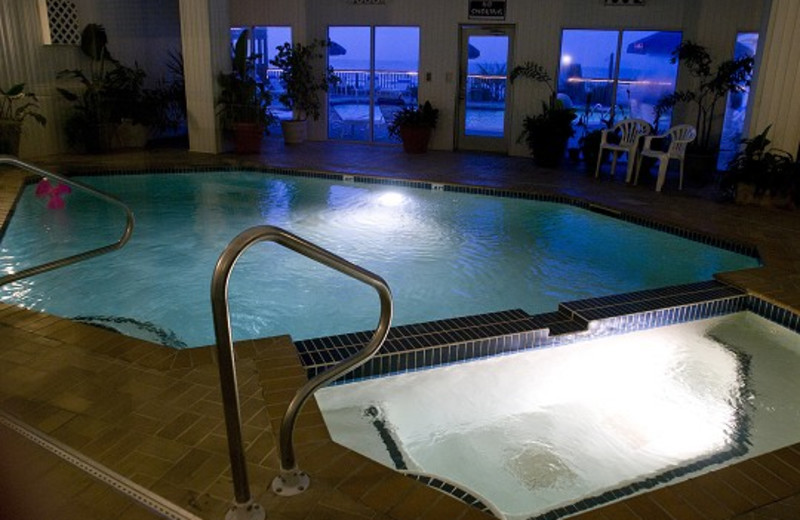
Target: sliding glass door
[[612, 75], [378, 68]]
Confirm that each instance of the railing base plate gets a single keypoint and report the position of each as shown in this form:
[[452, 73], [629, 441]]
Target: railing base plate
[[290, 483], [247, 511]]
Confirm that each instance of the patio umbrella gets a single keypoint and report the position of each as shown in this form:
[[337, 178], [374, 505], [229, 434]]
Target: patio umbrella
[[662, 43], [334, 49], [473, 52]]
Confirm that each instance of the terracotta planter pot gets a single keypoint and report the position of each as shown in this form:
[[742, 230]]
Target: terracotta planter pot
[[294, 131], [247, 137], [415, 138], [10, 132]]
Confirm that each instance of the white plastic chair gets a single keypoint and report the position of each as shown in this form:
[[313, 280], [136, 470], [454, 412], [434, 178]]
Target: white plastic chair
[[629, 131], [679, 137]]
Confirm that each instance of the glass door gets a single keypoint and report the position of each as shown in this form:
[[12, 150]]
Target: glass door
[[378, 69], [482, 109]]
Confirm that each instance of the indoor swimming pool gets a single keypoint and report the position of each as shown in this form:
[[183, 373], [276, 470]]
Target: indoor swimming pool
[[554, 431], [444, 254]]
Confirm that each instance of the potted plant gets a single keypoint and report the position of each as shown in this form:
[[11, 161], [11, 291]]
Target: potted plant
[[302, 82], [89, 124], [168, 98], [131, 111], [414, 125], [711, 84], [244, 101], [16, 106], [547, 133], [762, 175]]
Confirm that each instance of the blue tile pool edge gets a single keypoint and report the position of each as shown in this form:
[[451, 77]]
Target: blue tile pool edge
[[456, 340]]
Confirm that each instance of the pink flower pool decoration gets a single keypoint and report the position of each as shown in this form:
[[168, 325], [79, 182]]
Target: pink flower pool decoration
[[45, 189]]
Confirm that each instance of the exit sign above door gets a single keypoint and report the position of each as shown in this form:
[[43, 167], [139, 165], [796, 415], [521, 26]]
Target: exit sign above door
[[487, 10]]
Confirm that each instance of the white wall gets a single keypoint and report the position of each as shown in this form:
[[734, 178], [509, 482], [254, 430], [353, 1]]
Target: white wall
[[776, 99]]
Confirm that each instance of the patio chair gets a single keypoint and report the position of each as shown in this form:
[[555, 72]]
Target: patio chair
[[629, 131], [679, 137]]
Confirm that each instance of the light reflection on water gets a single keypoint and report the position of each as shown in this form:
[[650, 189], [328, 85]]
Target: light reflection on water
[[443, 254]]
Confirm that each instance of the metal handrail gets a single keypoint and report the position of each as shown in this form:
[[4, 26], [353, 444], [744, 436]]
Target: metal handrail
[[291, 480], [55, 264]]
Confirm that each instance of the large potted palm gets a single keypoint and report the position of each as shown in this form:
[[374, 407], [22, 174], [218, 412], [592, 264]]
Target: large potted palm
[[16, 106], [711, 84], [244, 101], [303, 81], [548, 132]]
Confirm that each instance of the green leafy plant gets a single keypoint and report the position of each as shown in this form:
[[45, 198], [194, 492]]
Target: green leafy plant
[[769, 170], [546, 133], [16, 105], [711, 85], [420, 116], [108, 93], [168, 98], [242, 98], [302, 80], [89, 101]]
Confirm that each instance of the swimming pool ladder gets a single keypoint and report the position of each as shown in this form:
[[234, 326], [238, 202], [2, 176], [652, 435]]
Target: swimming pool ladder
[[61, 262], [291, 480]]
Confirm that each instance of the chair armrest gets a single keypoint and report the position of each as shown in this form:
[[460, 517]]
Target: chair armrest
[[649, 139]]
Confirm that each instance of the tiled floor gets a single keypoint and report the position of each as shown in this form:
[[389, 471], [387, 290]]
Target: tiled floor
[[154, 415]]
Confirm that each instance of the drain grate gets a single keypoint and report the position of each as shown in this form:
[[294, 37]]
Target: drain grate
[[132, 490]]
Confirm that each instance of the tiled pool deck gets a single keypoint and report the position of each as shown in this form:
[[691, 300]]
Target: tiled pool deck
[[154, 415]]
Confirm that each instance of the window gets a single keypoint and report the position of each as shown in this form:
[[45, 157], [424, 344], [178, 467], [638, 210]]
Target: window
[[263, 41], [611, 75], [378, 70], [736, 105]]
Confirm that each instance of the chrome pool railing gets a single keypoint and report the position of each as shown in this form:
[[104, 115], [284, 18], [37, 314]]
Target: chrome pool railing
[[292, 480], [61, 262]]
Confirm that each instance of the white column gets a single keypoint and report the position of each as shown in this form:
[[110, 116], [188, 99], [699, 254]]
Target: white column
[[776, 99], [205, 41]]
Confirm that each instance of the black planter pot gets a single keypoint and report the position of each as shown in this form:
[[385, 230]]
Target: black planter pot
[[10, 133], [700, 166], [548, 150]]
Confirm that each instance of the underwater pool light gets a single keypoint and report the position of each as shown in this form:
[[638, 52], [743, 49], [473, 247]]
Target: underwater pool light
[[391, 199]]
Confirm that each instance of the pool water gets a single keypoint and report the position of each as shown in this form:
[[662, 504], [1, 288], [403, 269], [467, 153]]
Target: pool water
[[443, 254], [536, 431]]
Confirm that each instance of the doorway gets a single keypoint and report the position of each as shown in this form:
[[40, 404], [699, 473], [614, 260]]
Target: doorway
[[378, 71], [483, 121]]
